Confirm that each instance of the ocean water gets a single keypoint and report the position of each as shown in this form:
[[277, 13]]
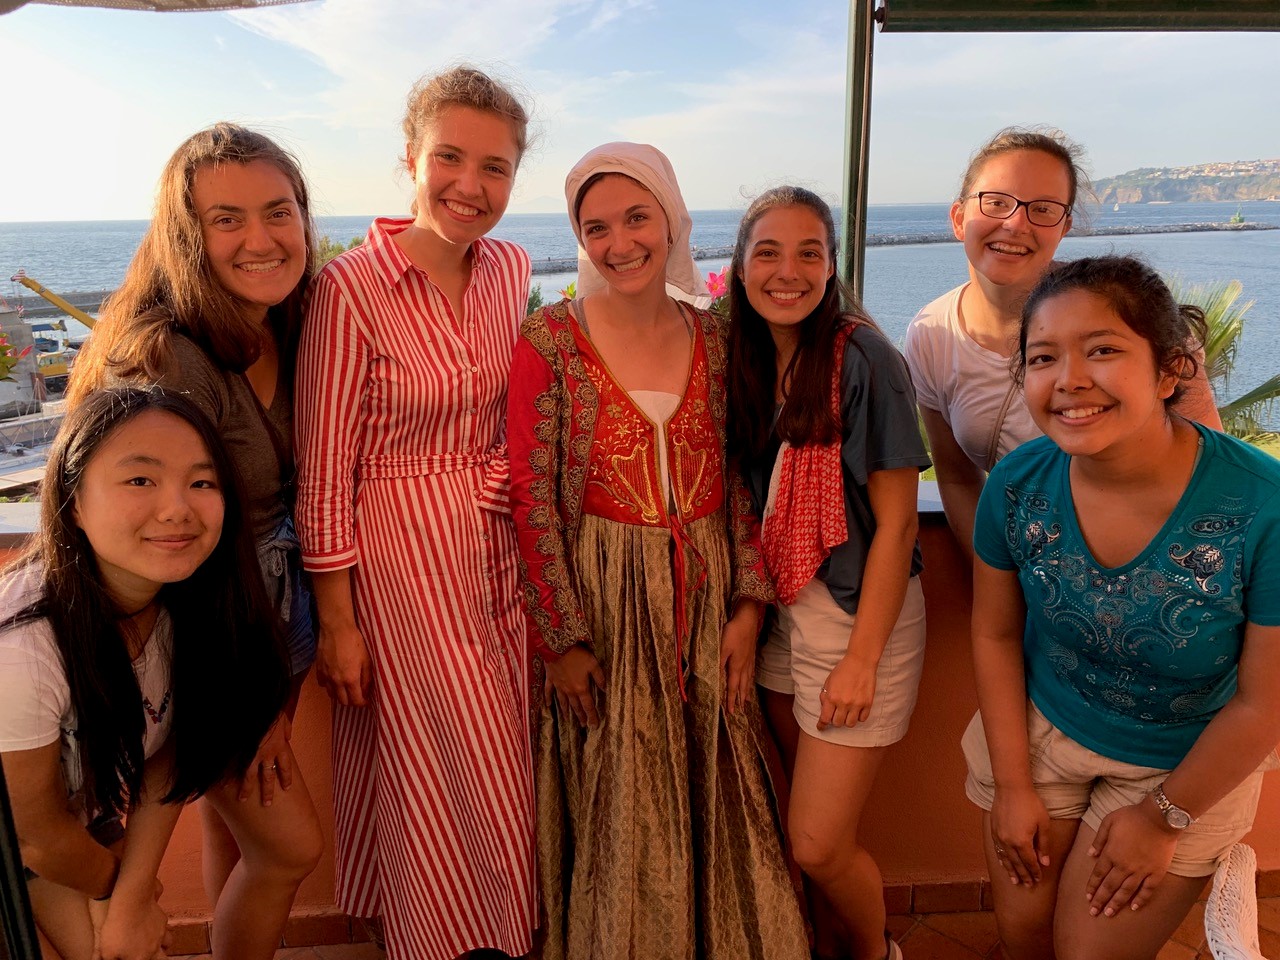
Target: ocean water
[[73, 256]]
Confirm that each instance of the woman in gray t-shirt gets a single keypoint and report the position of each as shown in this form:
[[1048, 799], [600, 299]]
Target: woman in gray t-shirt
[[211, 307]]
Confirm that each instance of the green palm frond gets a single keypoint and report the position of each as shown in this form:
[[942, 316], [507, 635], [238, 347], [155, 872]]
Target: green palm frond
[[1242, 416], [1224, 316]]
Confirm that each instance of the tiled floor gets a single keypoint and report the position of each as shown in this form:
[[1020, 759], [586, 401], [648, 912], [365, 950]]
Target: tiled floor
[[934, 936]]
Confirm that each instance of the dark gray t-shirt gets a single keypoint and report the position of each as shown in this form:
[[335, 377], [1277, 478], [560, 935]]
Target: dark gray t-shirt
[[878, 414]]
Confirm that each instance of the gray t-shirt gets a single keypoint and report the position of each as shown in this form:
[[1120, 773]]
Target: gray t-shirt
[[878, 422], [228, 400]]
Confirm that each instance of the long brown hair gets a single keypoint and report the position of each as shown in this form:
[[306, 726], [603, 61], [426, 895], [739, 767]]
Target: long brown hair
[[170, 287], [806, 416]]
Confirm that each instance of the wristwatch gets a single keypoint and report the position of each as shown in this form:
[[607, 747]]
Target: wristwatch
[[1173, 814]]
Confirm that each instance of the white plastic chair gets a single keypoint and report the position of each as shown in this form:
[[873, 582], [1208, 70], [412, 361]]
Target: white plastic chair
[[1231, 912]]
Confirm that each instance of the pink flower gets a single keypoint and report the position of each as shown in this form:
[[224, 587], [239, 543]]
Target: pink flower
[[718, 283]]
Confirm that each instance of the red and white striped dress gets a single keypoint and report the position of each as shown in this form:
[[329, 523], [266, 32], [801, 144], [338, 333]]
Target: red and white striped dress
[[403, 475]]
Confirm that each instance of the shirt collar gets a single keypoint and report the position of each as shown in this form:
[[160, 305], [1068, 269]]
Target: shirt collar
[[393, 263]]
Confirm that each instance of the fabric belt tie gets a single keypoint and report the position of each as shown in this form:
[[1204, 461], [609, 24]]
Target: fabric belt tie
[[273, 557], [493, 493]]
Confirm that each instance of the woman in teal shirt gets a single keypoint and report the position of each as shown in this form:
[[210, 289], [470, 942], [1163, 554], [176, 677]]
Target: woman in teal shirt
[[1126, 628]]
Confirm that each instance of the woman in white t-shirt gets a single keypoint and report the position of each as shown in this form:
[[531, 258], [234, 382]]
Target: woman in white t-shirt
[[1015, 205], [122, 631]]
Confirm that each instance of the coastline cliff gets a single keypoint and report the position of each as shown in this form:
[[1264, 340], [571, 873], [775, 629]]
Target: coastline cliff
[[1238, 180]]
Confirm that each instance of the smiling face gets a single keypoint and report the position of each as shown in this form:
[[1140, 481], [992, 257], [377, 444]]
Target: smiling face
[[254, 232], [625, 233], [786, 266], [150, 506], [1091, 381], [463, 171], [1013, 252]]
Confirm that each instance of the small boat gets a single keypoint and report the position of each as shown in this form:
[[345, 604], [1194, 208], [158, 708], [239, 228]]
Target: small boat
[[1117, 206]]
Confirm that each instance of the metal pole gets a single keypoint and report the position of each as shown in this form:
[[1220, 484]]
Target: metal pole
[[15, 906], [857, 145]]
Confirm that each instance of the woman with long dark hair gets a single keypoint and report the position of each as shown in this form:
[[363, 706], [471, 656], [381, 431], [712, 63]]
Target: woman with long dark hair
[[211, 306], [822, 425], [122, 630]]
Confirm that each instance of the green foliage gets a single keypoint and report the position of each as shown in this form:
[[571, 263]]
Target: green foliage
[[327, 249], [535, 299], [1225, 317]]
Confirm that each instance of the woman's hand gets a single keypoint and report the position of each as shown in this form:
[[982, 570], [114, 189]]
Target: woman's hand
[[125, 930], [343, 666], [738, 655], [848, 693], [572, 676], [1133, 847], [272, 764], [1020, 833]]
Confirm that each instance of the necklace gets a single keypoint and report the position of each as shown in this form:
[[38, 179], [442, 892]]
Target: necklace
[[157, 716]]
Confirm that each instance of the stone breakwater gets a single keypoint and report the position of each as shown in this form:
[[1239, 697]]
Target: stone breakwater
[[90, 301], [570, 264], [1118, 230]]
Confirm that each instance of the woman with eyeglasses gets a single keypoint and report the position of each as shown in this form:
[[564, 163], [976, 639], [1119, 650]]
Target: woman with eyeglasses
[[1016, 202]]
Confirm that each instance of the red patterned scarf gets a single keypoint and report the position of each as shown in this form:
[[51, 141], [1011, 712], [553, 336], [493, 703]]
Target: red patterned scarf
[[807, 518]]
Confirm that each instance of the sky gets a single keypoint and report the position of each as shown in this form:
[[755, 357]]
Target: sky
[[741, 94]]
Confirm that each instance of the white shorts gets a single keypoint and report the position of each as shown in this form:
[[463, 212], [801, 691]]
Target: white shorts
[[811, 636], [1076, 783]]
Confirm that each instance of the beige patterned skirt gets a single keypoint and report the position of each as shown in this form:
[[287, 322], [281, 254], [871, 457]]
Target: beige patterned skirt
[[658, 835]]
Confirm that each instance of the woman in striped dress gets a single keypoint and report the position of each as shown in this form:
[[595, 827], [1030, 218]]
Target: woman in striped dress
[[402, 388]]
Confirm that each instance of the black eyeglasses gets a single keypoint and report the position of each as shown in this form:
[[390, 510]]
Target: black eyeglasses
[[1002, 206]]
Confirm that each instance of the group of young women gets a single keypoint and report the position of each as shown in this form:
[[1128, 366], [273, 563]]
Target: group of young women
[[550, 558]]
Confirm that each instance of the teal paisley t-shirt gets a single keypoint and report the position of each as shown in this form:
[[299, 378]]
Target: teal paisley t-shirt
[[1134, 661]]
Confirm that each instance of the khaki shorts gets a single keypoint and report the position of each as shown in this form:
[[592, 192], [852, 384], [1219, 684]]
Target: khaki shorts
[[1075, 783], [811, 636]]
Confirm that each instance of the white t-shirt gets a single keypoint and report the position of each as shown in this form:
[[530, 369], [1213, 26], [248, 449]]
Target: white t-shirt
[[965, 382], [35, 698]]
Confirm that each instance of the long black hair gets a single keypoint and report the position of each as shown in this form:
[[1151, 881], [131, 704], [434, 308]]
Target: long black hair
[[806, 417], [229, 677]]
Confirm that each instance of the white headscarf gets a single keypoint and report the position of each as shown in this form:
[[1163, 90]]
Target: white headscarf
[[649, 167]]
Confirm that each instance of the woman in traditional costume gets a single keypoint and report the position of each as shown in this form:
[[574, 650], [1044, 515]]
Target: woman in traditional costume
[[643, 579]]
